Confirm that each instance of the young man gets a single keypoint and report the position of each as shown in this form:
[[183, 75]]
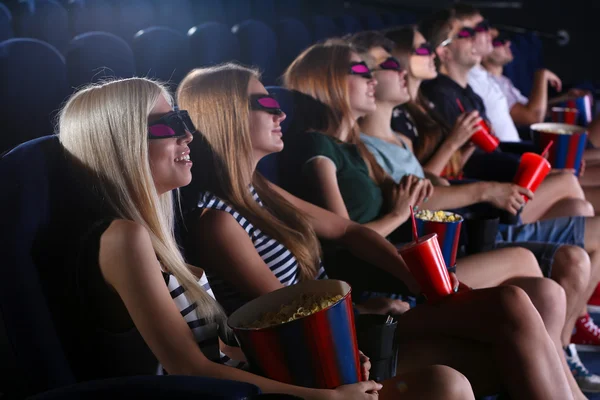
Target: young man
[[454, 36], [523, 110]]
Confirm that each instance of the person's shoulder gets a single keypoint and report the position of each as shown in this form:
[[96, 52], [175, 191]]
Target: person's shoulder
[[123, 234]]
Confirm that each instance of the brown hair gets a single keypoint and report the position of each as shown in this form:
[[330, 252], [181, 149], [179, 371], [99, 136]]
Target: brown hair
[[321, 72], [431, 126], [218, 103]]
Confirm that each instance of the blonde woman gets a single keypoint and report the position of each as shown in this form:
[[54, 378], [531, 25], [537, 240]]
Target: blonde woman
[[141, 303], [223, 227]]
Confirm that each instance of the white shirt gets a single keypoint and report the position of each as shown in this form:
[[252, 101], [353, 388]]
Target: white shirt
[[513, 95], [496, 104]]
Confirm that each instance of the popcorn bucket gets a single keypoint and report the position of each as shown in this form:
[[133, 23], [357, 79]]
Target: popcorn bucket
[[565, 115], [583, 104], [448, 234], [569, 143], [318, 351]]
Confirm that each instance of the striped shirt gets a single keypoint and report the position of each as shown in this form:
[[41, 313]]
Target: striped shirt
[[206, 334], [278, 258]]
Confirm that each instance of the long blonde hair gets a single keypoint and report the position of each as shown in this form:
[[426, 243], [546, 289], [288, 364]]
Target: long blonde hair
[[321, 71], [104, 126], [218, 102]]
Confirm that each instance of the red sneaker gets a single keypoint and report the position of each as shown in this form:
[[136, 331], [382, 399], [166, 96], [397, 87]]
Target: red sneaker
[[594, 301], [586, 334]]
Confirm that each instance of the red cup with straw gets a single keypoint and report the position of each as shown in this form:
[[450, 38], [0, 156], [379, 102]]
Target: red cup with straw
[[482, 138], [533, 168], [425, 261]]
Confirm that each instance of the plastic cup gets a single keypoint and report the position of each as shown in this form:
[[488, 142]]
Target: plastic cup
[[583, 104], [317, 351], [565, 115], [483, 139], [569, 144], [448, 235], [533, 168], [426, 263]]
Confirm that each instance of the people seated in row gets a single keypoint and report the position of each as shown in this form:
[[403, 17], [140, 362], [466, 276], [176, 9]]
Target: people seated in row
[[566, 264], [148, 306]]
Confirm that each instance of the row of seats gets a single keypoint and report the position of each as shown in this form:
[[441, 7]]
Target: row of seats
[[48, 20]]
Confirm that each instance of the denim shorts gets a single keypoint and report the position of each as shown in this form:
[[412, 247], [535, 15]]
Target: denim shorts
[[564, 230], [543, 252]]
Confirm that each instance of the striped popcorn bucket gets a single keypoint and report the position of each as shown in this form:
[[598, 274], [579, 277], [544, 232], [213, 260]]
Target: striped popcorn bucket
[[448, 235], [569, 143], [583, 104], [565, 115], [318, 351]]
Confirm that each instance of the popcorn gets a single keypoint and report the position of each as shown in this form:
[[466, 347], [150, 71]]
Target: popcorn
[[438, 216]]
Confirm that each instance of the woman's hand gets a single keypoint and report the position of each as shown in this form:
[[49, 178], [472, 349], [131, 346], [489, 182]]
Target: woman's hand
[[411, 191], [464, 127], [507, 196], [357, 391], [365, 365]]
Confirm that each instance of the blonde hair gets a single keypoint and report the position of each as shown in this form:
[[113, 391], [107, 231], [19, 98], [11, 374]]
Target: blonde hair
[[218, 103], [104, 126], [321, 71]]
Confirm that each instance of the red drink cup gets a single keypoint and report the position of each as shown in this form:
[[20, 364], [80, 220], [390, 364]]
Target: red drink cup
[[532, 171], [565, 115], [426, 263], [483, 139]]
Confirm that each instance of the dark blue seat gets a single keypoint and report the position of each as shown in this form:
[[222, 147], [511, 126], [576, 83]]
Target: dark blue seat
[[237, 11], [348, 24], [211, 10], [176, 14], [94, 56], [292, 38], [390, 19], [213, 43], [257, 48], [6, 31], [263, 10], [94, 16], [46, 20], [33, 85], [290, 8], [133, 16], [322, 28], [157, 388], [43, 197], [162, 53], [371, 20]]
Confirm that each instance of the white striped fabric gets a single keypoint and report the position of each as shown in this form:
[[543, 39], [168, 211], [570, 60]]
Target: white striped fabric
[[278, 258]]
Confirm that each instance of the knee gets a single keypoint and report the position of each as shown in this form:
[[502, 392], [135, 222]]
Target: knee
[[571, 268], [570, 184], [449, 383], [552, 299], [515, 313], [581, 207], [526, 261]]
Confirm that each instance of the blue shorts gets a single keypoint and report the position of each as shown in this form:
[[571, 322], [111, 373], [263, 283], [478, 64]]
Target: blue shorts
[[543, 252], [564, 230]]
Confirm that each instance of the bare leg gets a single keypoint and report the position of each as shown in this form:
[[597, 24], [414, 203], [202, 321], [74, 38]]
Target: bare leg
[[569, 208], [493, 268], [571, 269], [491, 330], [555, 187], [517, 266], [436, 382]]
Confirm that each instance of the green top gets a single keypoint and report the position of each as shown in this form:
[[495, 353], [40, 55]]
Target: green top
[[362, 196]]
